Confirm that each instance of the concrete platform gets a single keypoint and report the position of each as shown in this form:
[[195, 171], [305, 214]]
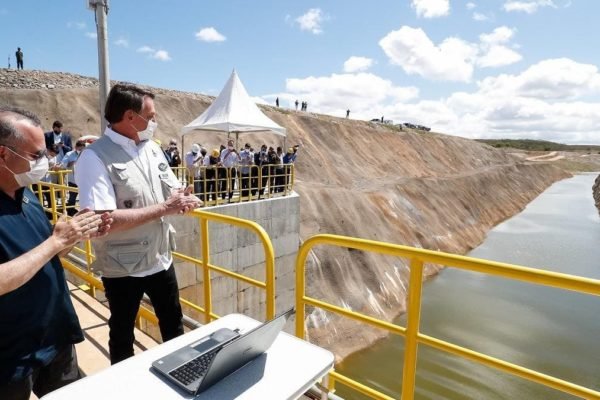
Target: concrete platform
[[92, 353]]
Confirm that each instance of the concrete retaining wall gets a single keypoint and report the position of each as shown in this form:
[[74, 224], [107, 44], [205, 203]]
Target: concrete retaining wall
[[241, 251]]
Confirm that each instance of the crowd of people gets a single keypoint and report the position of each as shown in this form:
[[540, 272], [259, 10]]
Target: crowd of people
[[223, 170]]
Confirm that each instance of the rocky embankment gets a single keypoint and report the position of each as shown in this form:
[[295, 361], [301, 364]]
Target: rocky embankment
[[596, 192], [355, 178]]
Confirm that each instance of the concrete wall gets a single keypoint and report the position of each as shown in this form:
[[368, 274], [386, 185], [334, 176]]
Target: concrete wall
[[241, 251]]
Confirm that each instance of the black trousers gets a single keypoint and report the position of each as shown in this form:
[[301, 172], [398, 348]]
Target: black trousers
[[19, 64], [245, 183], [71, 210], [124, 296], [61, 371], [228, 181]]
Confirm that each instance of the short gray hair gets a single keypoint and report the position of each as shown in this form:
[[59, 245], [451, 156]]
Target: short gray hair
[[8, 116]]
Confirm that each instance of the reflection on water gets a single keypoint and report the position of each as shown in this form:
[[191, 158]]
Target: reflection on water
[[549, 330]]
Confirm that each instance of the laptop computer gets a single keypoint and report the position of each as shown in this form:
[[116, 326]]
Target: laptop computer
[[199, 365]]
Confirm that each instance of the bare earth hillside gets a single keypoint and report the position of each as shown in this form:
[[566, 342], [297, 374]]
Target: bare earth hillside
[[355, 178]]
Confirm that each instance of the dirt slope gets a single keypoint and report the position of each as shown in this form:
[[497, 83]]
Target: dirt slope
[[355, 178]]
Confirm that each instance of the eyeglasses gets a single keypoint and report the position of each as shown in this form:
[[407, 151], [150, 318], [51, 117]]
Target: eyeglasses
[[36, 156]]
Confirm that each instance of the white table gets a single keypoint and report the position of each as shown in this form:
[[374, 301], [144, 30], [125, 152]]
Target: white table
[[286, 371]]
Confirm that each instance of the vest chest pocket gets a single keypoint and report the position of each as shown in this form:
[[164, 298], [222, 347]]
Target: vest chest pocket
[[128, 191], [128, 253]]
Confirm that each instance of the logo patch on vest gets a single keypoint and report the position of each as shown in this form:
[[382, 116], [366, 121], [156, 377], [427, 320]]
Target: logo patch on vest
[[162, 166], [128, 203], [25, 200]]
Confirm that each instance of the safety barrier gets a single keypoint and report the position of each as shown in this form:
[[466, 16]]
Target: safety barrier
[[87, 275], [215, 184], [411, 333]]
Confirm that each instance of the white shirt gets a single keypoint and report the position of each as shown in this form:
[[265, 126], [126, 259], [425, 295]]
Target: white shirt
[[71, 156], [96, 190], [191, 159], [229, 158]]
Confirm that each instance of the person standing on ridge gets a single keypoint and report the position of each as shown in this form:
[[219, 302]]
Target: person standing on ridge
[[277, 101], [126, 174], [348, 113], [38, 324], [296, 103], [19, 55]]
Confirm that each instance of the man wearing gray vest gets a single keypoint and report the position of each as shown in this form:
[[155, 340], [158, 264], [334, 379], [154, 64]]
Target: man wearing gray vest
[[126, 173]]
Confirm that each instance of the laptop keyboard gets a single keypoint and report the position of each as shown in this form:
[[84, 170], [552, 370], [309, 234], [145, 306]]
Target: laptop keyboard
[[193, 369]]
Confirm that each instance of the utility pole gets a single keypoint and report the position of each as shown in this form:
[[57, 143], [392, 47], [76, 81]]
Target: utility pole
[[100, 7]]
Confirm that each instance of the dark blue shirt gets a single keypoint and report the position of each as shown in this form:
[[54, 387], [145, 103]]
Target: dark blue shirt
[[38, 318]]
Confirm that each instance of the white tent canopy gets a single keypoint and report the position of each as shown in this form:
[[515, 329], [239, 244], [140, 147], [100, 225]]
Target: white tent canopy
[[234, 112]]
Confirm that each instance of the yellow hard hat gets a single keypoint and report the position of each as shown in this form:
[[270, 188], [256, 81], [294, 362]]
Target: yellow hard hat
[[215, 153], [290, 150]]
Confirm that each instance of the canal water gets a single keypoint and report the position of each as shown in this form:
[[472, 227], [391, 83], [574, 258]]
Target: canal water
[[550, 330]]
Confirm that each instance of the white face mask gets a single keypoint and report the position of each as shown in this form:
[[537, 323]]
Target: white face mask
[[37, 170], [147, 133]]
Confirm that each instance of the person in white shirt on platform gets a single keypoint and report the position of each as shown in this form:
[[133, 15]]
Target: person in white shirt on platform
[[193, 161], [68, 162], [246, 161], [230, 159], [127, 174]]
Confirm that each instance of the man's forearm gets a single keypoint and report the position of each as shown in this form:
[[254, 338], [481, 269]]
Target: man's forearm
[[131, 218], [19, 271]]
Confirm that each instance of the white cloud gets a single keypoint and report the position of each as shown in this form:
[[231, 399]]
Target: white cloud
[[453, 59], [91, 35], [543, 102], [210, 34], [499, 35], [356, 64], [549, 100], [161, 55], [480, 17], [527, 6], [145, 49], [362, 93], [498, 56], [471, 5], [552, 79], [494, 53], [76, 25], [412, 49], [122, 42], [431, 8], [311, 21]]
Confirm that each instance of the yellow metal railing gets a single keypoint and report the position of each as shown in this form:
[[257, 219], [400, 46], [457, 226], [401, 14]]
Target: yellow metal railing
[[411, 333], [85, 250], [212, 185], [215, 184], [268, 285]]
